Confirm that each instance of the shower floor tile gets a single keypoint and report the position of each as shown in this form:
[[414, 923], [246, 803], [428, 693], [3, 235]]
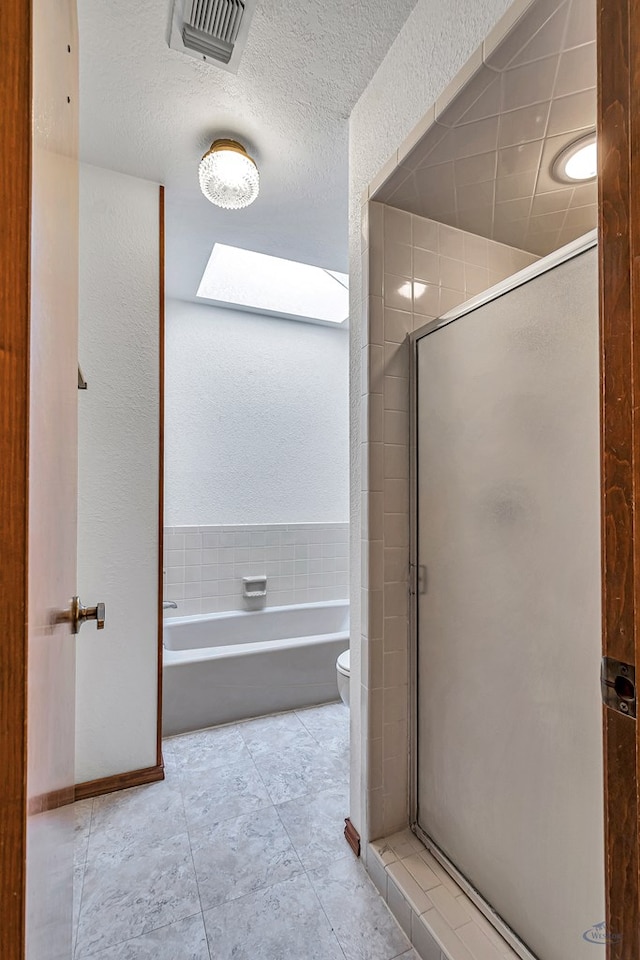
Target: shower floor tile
[[238, 854]]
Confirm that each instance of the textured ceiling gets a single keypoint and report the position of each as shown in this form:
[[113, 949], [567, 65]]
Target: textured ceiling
[[152, 112], [484, 165]]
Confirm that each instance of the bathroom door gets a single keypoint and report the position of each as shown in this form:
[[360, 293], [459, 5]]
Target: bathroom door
[[38, 418], [510, 783]]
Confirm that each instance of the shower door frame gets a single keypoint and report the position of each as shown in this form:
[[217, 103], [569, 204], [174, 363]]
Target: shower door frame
[[537, 269]]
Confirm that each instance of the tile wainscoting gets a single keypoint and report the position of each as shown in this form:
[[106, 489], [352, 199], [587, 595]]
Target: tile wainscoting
[[303, 563]]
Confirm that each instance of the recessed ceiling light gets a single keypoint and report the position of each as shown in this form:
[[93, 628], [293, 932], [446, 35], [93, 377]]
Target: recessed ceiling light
[[254, 281], [228, 175], [577, 162]]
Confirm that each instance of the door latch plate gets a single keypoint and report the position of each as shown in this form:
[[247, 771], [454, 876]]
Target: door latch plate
[[618, 683]]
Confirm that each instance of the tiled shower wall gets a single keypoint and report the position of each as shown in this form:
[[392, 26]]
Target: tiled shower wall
[[414, 270], [303, 563]]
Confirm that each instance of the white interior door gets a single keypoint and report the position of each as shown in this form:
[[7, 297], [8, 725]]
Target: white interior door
[[509, 715]]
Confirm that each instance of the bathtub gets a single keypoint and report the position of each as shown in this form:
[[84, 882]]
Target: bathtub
[[222, 667]]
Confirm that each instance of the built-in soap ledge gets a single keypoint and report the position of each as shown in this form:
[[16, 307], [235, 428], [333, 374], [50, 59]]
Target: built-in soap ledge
[[437, 916], [253, 587]]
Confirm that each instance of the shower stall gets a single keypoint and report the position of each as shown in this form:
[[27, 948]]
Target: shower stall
[[507, 774]]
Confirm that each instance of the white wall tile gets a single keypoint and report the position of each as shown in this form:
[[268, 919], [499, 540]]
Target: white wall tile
[[303, 563]]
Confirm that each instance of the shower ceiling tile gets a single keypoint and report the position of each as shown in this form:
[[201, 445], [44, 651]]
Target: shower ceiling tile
[[510, 210], [547, 41], [567, 234], [527, 85], [442, 148], [405, 196], [473, 195], [581, 26], [425, 150], [435, 180], [476, 169], [520, 158], [546, 223], [485, 163], [474, 138], [586, 193], [552, 202], [474, 221], [581, 219], [487, 104], [450, 110], [577, 70], [574, 112], [517, 187], [523, 126], [500, 51]]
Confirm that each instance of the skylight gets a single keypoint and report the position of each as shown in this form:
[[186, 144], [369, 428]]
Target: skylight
[[255, 281]]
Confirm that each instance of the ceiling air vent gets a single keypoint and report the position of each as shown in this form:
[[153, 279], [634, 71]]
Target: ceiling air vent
[[212, 30]]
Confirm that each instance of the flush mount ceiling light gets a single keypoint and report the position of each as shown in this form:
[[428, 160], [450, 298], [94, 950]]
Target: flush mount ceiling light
[[228, 175], [577, 162]]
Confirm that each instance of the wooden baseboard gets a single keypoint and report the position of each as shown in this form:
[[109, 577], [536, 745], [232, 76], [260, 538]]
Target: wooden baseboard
[[352, 836], [120, 781], [50, 801]]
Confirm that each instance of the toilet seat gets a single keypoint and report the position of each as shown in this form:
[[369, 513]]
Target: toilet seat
[[343, 664]]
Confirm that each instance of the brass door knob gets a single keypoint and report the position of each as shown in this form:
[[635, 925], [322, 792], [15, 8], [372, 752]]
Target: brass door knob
[[80, 614]]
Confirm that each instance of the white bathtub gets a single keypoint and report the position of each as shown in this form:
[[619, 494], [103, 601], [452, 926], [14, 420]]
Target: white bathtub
[[222, 667]]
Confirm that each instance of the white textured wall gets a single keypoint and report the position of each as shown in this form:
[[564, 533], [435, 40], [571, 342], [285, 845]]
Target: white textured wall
[[118, 473], [435, 42], [256, 419]]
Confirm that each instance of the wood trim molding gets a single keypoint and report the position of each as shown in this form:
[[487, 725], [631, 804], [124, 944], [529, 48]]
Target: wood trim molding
[[15, 226], [619, 255], [161, 334], [352, 836], [119, 781], [51, 801]]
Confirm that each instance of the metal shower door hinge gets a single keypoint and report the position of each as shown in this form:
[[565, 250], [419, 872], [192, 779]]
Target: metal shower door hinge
[[417, 579], [618, 683]]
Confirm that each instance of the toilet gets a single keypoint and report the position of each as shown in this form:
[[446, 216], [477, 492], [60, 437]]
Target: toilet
[[343, 670]]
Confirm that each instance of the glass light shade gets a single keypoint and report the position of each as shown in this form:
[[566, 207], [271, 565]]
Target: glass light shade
[[577, 162], [228, 175]]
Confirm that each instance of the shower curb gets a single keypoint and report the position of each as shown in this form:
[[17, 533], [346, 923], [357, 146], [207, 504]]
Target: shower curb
[[435, 914]]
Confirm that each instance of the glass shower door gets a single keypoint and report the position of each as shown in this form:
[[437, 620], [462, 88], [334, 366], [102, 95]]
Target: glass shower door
[[509, 782]]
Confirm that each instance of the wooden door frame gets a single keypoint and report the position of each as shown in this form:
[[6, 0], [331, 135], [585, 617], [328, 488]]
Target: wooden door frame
[[15, 242], [619, 254], [161, 319]]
